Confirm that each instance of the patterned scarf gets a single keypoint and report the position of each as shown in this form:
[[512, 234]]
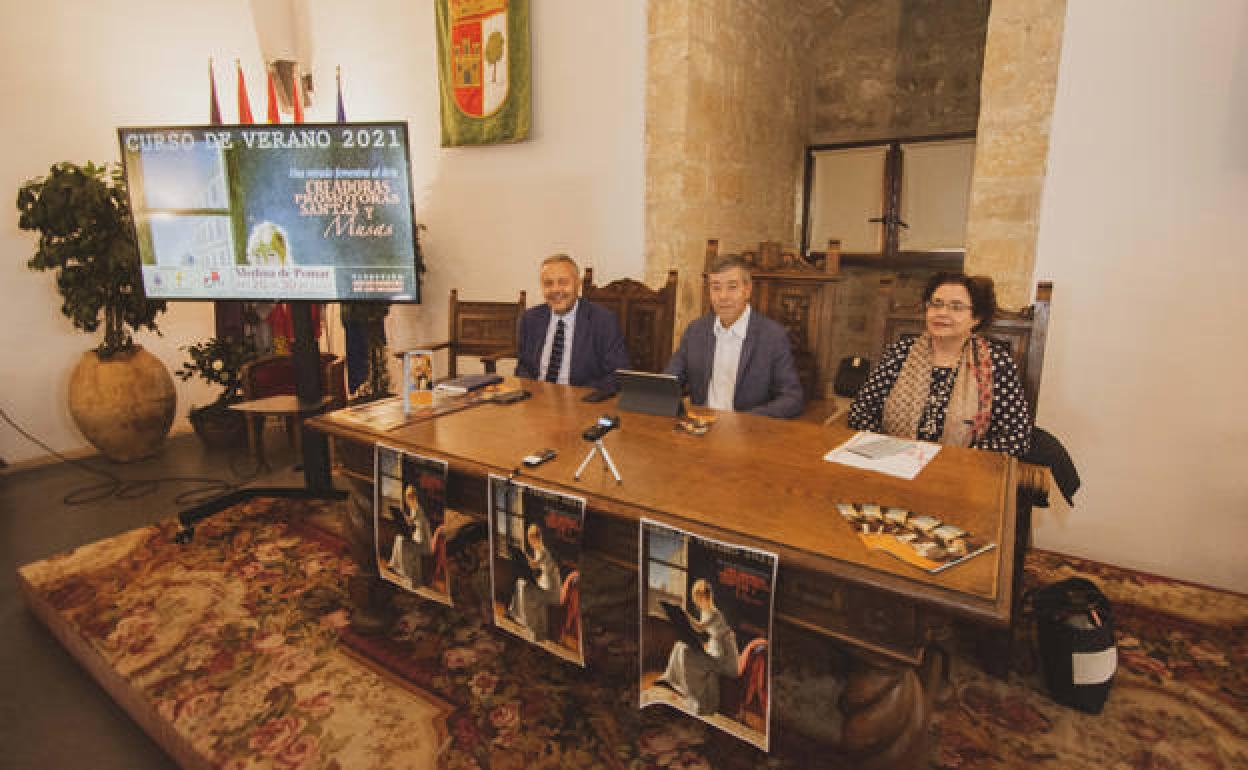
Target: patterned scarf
[[970, 400]]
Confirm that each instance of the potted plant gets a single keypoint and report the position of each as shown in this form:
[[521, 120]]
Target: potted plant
[[120, 396], [220, 362]]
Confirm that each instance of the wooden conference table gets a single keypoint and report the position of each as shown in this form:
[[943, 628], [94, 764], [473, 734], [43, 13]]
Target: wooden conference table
[[760, 482]]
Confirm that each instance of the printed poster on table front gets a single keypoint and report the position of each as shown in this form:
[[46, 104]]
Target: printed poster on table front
[[409, 522], [535, 565], [706, 629]]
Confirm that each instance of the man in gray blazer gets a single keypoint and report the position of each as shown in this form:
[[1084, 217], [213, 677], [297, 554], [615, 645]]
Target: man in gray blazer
[[733, 357]]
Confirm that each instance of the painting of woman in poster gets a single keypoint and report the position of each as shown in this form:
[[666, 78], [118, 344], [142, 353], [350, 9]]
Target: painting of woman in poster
[[535, 542], [409, 521], [413, 542], [706, 629], [694, 667]]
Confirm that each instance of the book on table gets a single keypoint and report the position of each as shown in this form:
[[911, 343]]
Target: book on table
[[469, 383]]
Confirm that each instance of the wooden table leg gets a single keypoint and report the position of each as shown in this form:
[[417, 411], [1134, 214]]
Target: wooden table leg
[[886, 715]]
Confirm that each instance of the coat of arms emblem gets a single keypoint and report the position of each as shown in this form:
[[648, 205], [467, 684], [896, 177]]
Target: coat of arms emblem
[[479, 60]]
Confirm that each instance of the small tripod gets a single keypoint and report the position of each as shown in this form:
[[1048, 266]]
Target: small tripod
[[598, 447]]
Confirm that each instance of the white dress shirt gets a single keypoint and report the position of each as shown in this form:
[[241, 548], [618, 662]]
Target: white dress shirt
[[569, 325], [728, 344]]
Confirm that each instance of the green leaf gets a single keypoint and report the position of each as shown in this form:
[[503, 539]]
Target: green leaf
[[83, 219]]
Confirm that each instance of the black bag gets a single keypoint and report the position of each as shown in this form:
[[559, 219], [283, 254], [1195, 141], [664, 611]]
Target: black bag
[[1075, 630], [850, 375]]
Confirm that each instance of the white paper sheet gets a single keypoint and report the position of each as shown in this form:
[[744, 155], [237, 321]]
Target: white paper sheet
[[904, 465]]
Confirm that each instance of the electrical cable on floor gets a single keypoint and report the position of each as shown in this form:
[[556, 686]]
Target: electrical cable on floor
[[123, 489]]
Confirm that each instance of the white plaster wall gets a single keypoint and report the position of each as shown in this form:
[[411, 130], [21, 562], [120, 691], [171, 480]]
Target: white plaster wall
[[75, 70], [1142, 232], [494, 212]]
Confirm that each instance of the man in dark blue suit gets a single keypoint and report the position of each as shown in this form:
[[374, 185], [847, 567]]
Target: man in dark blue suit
[[569, 340], [734, 358]]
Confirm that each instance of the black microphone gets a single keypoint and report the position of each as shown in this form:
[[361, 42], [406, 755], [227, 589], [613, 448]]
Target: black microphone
[[605, 425]]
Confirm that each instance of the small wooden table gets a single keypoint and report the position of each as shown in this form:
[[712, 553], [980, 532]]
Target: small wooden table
[[761, 482], [285, 406]]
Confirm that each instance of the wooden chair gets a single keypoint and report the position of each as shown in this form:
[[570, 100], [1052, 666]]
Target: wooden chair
[[482, 329], [275, 376], [647, 317]]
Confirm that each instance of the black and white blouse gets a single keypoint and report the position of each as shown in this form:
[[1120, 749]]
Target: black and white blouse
[[1009, 429]]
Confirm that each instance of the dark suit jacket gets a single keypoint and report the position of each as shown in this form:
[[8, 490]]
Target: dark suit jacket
[[767, 380], [597, 345]]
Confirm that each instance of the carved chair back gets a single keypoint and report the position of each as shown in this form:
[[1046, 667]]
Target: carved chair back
[[483, 329], [647, 316]]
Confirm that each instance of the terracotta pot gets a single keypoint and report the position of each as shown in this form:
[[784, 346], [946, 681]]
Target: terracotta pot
[[124, 405]]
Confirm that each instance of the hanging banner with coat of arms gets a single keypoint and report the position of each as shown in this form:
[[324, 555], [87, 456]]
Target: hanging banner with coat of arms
[[483, 71]]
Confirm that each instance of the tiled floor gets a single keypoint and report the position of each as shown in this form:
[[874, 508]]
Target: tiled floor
[[52, 713]]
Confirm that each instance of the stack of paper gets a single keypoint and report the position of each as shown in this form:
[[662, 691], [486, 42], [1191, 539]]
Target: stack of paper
[[884, 454]]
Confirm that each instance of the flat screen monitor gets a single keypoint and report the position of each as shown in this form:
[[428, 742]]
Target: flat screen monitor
[[307, 211]]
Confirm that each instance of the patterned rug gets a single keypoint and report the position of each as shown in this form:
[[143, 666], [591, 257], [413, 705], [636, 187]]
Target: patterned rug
[[234, 651]]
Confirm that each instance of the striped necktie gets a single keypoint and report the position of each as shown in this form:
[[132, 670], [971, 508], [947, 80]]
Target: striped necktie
[[556, 354]]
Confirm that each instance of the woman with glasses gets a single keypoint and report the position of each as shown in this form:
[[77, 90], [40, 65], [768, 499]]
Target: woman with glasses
[[949, 385]]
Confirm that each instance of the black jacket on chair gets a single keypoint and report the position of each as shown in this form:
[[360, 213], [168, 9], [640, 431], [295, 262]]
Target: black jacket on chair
[[1046, 450]]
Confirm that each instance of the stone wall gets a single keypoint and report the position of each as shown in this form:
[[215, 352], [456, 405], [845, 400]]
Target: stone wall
[[891, 68], [728, 115], [1012, 148], [736, 89]]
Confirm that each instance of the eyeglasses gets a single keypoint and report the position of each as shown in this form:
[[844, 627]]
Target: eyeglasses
[[952, 307]]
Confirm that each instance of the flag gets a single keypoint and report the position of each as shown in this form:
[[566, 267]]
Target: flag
[[244, 104], [342, 110], [484, 76], [214, 109], [296, 94], [274, 116]]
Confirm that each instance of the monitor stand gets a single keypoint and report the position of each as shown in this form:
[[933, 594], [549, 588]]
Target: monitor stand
[[318, 483], [307, 361]]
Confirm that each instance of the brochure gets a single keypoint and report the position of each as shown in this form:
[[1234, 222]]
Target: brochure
[[417, 380], [384, 414], [923, 541]]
